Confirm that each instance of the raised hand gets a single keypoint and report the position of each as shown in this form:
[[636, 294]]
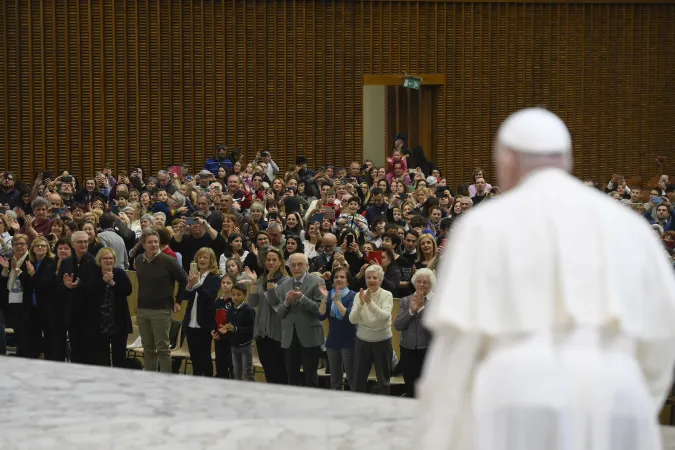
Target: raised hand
[[251, 274], [29, 221], [30, 268], [324, 292], [4, 263]]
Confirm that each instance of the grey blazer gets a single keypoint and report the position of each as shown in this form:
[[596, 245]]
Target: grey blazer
[[302, 315], [413, 334]]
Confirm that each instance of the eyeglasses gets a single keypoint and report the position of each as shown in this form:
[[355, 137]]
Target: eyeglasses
[[81, 242], [39, 246], [19, 244]]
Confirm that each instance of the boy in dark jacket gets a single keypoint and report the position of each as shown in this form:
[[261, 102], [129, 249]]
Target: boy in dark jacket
[[239, 330]]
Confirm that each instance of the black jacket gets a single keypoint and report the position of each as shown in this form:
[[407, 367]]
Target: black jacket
[[122, 290], [243, 320], [77, 307], [206, 312], [42, 283]]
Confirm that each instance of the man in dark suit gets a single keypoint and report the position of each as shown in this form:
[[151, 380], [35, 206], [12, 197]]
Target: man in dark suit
[[81, 314], [297, 300]]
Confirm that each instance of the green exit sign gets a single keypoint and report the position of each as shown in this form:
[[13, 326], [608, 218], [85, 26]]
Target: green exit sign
[[412, 82]]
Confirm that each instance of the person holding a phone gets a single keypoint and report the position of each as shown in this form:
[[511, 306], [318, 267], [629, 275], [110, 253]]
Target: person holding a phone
[[199, 321], [201, 235], [323, 263]]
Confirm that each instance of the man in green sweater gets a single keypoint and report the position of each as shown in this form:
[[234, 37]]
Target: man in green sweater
[[157, 275]]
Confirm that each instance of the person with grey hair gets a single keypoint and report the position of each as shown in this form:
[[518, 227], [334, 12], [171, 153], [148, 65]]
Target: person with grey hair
[[178, 199], [549, 325], [371, 311], [164, 182], [297, 300], [415, 337], [76, 283], [41, 223], [277, 239], [159, 219]]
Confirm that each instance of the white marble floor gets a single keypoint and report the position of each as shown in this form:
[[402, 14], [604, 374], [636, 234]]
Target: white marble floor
[[46, 405]]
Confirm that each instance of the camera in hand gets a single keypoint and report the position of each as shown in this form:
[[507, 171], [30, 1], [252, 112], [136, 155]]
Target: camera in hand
[[67, 179], [191, 221]]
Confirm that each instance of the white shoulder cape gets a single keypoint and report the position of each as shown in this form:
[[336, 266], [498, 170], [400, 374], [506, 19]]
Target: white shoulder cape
[[554, 252]]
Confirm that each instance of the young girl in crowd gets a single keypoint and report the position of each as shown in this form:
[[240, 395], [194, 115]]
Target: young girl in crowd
[[239, 330], [223, 306]]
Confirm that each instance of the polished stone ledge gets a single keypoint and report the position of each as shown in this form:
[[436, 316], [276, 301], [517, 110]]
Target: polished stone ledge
[[45, 405]]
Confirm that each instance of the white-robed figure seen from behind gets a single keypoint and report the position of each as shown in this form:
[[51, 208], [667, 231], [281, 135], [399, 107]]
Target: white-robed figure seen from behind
[[553, 318]]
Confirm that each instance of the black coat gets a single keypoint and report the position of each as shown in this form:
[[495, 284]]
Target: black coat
[[206, 312], [122, 290], [42, 283], [76, 304]]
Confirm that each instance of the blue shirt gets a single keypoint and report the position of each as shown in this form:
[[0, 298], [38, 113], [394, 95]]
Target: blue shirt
[[341, 332], [37, 266]]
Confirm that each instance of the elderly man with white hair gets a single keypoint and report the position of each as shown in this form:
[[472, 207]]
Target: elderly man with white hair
[[76, 278], [415, 337], [297, 300], [551, 329], [371, 311]]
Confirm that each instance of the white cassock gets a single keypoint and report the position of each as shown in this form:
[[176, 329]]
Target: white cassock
[[553, 325]]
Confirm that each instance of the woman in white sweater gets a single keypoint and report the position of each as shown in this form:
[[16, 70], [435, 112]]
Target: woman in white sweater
[[372, 313]]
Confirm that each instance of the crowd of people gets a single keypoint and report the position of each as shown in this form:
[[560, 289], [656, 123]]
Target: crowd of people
[[259, 258]]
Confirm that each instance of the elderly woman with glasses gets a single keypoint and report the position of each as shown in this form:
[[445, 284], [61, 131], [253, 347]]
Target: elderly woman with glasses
[[415, 338], [13, 288], [371, 311], [111, 287]]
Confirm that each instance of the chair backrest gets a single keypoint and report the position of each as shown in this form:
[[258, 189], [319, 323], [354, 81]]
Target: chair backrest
[[133, 336]]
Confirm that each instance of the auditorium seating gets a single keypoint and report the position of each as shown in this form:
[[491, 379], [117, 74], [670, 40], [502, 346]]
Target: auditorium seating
[[183, 353]]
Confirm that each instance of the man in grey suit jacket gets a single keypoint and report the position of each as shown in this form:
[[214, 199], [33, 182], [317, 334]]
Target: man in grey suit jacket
[[297, 300]]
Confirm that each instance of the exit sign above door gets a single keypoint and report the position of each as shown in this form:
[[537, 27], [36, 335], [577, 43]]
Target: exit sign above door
[[412, 82]]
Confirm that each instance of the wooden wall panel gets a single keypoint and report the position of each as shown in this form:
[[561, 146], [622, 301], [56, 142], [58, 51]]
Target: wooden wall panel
[[158, 82]]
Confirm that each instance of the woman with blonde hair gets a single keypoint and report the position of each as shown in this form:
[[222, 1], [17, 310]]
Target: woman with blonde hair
[[111, 286], [427, 250], [5, 237], [38, 283], [201, 293], [278, 188]]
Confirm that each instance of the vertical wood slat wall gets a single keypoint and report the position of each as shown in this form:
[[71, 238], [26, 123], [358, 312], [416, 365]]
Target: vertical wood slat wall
[[156, 82]]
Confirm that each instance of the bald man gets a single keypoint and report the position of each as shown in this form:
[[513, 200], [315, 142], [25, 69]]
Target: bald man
[[323, 262], [551, 328], [297, 300]]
